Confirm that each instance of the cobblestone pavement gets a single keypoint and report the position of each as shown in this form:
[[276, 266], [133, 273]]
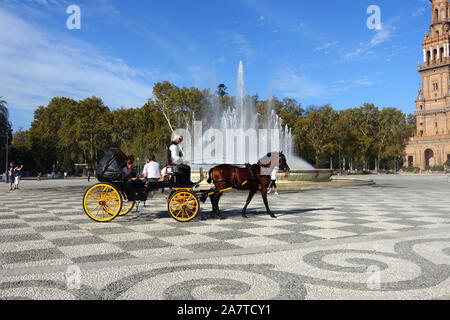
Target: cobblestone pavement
[[387, 241]]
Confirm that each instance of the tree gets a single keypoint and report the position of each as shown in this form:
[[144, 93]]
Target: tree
[[20, 151], [222, 90], [389, 134], [46, 131], [5, 130], [316, 130], [87, 130], [165, 98]]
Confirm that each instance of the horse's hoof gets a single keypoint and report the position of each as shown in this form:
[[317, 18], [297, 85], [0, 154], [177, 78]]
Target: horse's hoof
[[273, 216], [244, 216], [220, 217]]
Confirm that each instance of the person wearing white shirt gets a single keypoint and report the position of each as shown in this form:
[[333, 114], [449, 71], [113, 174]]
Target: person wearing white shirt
[[175, 151], [152, 170], [273, 180], [175, 157]]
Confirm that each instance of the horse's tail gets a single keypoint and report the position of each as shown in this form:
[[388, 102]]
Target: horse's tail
[[210, 179]]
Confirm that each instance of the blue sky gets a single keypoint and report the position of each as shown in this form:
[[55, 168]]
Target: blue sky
[[315, 52]]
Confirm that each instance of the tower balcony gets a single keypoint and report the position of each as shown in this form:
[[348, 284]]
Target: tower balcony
[[438, 21], [442, 61]]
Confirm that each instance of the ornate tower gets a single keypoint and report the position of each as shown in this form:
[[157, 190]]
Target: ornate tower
[[431, 145]]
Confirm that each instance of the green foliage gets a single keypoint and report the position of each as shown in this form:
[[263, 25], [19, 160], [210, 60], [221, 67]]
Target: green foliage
[[437, 168], [411, 169], [68, 132], [5, 131]]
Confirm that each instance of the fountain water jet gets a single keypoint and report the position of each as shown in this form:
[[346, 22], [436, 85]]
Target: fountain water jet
[[241, 122]]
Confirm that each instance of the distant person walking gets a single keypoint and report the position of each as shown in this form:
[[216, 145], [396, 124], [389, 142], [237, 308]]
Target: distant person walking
[[89, 175], [273, 180], [17, 176]]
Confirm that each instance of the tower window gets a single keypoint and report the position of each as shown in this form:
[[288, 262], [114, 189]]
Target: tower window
[[420, 108], [435, 87], [437, 33]]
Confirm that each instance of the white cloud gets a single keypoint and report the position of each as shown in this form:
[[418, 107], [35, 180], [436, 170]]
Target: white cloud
[[239, 43], [418, 12], [326, 46], [291, 84], [382, 35], [36, 66]]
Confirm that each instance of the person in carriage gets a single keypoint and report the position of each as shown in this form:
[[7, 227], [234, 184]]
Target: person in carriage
[[130, 175], [175, 158]]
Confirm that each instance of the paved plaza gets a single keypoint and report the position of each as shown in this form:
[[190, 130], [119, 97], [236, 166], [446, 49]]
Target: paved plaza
[[390, 240]]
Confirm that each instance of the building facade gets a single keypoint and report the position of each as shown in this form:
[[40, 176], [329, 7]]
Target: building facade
[[431, 144]]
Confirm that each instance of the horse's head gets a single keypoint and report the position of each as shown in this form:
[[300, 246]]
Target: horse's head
[[272, 160], [282, 163]]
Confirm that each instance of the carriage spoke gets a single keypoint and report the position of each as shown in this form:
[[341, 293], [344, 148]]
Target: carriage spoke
[[92, 196], [98, 210]]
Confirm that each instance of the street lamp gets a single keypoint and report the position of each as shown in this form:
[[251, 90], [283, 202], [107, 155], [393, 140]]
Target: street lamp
[[340, 161]]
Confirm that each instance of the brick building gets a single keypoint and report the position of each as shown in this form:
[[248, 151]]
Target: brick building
[[431, 144]]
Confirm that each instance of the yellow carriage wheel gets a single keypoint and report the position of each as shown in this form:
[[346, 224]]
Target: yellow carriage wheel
[[183, 206], [127, 205], [102, 202]]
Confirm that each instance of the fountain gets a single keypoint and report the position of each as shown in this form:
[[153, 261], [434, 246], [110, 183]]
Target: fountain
[[237, 135]]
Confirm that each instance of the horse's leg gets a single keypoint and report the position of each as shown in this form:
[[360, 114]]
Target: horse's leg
[[217, 199], [263, 191], [213, 204], [249, 199]]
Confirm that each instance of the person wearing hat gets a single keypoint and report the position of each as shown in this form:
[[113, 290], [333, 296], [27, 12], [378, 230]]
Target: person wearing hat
[[176, 157], [176, 154]]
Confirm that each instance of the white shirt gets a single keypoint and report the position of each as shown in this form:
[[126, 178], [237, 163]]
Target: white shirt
[[153, 170], [274, 173], [175, 154]]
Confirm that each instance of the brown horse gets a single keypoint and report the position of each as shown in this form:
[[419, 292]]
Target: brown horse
[[254, 177]]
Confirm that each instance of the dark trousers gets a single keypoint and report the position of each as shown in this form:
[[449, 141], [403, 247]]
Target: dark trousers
[[273, 184], [130, 184], [184, 175]]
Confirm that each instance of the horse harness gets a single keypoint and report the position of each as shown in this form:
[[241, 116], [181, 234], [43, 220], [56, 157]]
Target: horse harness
[[248, 166]]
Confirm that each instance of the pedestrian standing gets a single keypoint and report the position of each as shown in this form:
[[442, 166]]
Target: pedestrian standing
[[89, 175], [11, 175]]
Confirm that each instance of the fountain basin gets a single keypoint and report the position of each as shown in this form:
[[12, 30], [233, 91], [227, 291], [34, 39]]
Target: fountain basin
[[305, 175], [293, 176]]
